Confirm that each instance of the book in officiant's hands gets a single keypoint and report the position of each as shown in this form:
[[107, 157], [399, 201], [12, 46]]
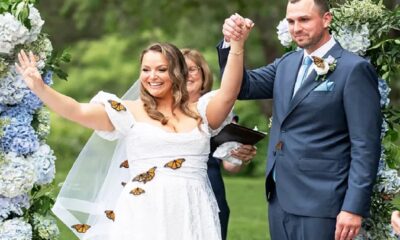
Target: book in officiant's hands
[[237, 133]]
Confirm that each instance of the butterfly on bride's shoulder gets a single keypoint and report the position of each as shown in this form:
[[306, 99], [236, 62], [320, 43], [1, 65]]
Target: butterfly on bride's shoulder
[[137, 191], [81, 228], [110, 214], [146, 176], [175, 164], [117, 106]]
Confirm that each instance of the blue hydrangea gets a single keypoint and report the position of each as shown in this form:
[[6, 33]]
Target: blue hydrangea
[[15, 229], [17, 176], [43, 160], [12, 87], [354, 38], [18, 114], [45, 226], [48, 78], [2, 108], [19, 138], [384, 90], [31, 102], [14, 205]]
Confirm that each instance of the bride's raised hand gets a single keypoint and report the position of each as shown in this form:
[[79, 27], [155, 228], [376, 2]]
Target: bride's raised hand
[[28, 70]]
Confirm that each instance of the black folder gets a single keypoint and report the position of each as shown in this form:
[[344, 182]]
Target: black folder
[[237, 133]]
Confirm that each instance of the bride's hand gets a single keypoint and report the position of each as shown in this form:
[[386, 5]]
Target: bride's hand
[[28, 70]]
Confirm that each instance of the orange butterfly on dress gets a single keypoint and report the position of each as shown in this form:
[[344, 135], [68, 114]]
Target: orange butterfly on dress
[[145, 177], [124, 164], [81, 228], [110, 214], [175, 164], [117, 105], [137, 191]]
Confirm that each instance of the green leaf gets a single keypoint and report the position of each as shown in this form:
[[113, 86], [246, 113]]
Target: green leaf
[[385, 75]]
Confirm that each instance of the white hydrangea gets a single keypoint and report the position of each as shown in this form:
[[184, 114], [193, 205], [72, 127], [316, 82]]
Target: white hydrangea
[[354, 40], [12, 87], [283, 33], [12, 33], [15, 229], [46, 227], [36, 24], [43, 160], [17, 175], [389, 181]]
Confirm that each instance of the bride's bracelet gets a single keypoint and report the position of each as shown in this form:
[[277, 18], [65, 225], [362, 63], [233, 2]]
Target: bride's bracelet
[[237, 53]]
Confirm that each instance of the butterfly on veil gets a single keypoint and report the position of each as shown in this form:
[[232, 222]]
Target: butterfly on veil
[[146, 176], [175, 164], [124, 164], [81, 228], [110, 214], [117, 106], [137, 191]]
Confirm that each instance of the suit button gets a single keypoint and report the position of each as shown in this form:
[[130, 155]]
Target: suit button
[[279, 146]]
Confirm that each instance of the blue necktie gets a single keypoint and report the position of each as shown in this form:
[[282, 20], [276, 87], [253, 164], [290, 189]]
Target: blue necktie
[[302, 73]]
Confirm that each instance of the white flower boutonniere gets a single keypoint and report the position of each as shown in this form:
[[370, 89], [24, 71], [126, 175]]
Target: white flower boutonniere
[[323, 66]]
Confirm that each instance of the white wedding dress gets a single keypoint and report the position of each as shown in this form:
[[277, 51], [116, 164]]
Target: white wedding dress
[[159, 202]]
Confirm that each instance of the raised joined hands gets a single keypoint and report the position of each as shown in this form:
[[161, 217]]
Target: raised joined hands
[[236, 28], [28, 70]]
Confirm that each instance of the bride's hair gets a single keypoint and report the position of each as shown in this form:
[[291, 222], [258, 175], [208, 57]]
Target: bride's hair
[[178, 73]]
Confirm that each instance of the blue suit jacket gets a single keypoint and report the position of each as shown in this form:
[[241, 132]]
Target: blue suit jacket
[[324, 145]]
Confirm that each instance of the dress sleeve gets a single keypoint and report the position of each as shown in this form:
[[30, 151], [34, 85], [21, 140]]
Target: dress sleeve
[[202, 107], [119, 115]]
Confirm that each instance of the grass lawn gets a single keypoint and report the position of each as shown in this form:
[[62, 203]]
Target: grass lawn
[[246, 200]]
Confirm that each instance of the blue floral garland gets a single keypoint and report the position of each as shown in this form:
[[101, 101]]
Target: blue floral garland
[[27, 163]]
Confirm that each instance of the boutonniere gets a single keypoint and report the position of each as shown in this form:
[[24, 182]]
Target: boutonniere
[[323, 66]]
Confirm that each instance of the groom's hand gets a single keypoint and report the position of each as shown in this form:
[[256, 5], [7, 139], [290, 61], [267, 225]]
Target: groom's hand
[[347, 225], [233, 27]]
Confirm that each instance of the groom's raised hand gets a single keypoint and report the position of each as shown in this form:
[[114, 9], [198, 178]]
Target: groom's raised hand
[[233, 27]]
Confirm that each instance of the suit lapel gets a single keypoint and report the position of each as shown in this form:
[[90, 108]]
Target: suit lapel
[[293, 65], [310, 83]]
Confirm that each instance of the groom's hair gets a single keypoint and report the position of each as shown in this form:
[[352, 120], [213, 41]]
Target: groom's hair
[[323, 5]]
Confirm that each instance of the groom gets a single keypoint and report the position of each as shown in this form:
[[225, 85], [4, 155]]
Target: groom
[[324, 143]]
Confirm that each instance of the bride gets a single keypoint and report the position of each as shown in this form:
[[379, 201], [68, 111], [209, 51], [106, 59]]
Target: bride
[[165, 140]]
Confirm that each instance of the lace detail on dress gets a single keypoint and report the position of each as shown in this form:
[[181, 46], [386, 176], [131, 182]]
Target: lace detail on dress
[[119, 116], [202, 107]]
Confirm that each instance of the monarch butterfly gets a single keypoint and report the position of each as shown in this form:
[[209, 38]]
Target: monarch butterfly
[[123, 184], [175, 164], [81, 228], [124, 164], [117, 105], [137, 191], [145, 177], [318, 61], [110, 214]]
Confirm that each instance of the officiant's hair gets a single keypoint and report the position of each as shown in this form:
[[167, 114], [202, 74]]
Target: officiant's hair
[[323, 5], [201, 62], [178, 73]]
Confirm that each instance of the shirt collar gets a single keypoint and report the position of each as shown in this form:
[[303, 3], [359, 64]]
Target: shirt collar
[[321, 51]]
